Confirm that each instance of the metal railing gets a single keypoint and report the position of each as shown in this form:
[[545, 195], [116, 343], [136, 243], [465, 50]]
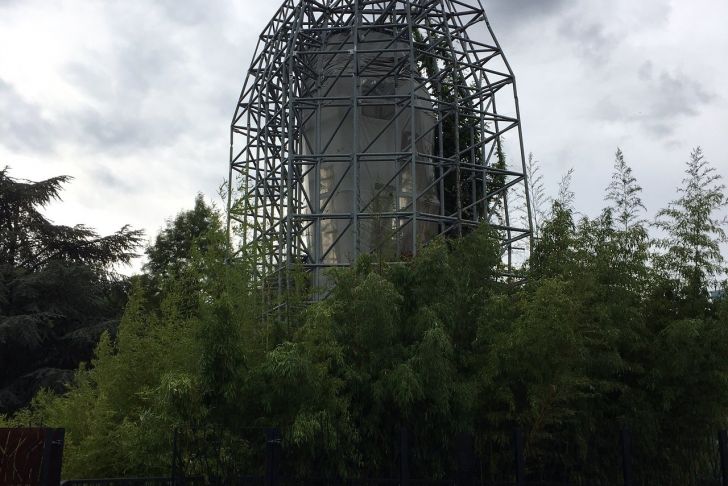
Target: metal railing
[[275, 474]]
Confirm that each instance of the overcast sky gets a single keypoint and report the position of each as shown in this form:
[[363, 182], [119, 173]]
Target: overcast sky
[[133, 98]]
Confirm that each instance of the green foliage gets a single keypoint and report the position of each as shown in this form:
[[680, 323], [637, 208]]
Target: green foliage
[[174, 362], [58, 290], [173, 247], [554, 253], [694, 230], [30, 241], [537, 193], [596, 339], [623, 192]]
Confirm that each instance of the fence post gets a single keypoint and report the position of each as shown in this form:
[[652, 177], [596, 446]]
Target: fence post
[[723, 446], [272, 457], [465, 459], [404, 471], [520, 462], [50, 473], [174, 458], [626, 443]]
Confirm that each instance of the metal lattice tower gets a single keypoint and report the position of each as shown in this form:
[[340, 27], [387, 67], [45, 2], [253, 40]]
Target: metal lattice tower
[[371, 127]]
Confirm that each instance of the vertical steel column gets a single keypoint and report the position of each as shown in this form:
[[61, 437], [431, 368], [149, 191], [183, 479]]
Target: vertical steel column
[[355, 120], [518, 118], [316, 196], [399, 221], [290, 159], [456, 115], [412, 126]]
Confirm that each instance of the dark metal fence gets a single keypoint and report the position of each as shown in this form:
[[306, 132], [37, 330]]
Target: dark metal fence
[[274, 473], [159, 481], [166, 481]]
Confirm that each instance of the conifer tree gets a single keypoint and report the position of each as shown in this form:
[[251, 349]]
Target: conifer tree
[[629, 239], [537, 193], [438, 343], [58, 289], [565, 197], [694, 229], [172, 249], [624, 193]]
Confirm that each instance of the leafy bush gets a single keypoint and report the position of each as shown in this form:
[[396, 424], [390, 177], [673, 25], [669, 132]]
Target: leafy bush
[[603, 334]]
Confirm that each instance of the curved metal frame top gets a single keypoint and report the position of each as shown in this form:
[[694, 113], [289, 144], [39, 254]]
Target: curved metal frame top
[[372, 126]]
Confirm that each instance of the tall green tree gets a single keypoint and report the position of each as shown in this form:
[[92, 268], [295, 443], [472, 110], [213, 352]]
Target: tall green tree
[[176, 362], [623, 193], [58, 289], [593, 340], [537, 193], [694, 229], [29, 241], [172, 250], [624, 221], [174, 258]]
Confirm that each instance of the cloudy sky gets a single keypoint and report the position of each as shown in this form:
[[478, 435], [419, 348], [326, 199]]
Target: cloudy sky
[[133, 98]]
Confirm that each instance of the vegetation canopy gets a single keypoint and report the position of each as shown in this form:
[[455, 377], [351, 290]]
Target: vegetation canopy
[[611, 329], [58, 289]]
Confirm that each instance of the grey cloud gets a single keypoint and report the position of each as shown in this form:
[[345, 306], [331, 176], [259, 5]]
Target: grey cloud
[[125, 130], [144, 57], [110, 181], [120, 119], [661, 102], [595, 32], [677, 94], [120, 124], [162, 80], [148, 61], [510, 11], [652, 14], [190, 12], [658, 128], [133, 88], [645, 70], [591, 41], [22, 126], [129, 94]]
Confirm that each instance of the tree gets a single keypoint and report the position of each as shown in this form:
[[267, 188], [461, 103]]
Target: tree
[[630, 241], [554, 252], [173, 247], [439, 343], [694, 231], [537, 193], [566, 195], [174, 362], [58, 289], [30, 241], [174, 259], [624, 193]]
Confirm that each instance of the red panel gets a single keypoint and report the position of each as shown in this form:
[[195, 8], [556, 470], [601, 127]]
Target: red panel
[[30, 456]]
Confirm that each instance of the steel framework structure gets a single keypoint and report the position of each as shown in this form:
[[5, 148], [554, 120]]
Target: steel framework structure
[[371, 126]]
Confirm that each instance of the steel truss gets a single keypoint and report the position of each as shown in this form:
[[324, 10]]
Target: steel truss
[[370, 126]]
